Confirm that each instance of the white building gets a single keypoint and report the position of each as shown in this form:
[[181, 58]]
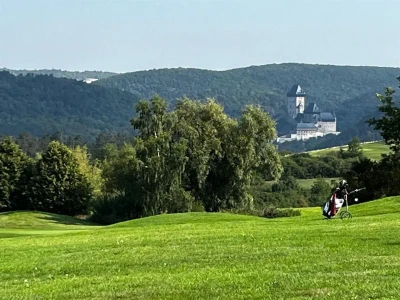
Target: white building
[[90, 80], [312, 122]]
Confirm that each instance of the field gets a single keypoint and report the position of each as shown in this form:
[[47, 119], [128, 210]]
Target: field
[[305, 183], [370, 150], [204, 256]]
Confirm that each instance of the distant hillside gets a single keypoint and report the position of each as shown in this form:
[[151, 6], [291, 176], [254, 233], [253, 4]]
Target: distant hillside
[[77, 75], [44, 104], [329, 86]]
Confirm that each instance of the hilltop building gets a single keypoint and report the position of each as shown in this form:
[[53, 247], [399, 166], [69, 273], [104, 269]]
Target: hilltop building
[[90, 80], [311, 121], [296, 100]]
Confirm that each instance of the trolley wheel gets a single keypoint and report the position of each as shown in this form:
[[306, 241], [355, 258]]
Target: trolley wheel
[[345, 215]]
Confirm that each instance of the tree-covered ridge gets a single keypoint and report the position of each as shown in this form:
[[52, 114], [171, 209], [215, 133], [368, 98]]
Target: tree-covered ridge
[[42, 104], [78, 75], [266, 85]]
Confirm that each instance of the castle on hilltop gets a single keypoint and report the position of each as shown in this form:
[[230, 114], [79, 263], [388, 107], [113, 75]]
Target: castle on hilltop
[[311, 122]]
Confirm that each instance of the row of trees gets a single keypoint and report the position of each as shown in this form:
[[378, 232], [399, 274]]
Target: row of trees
[[55, 181], [192, 157], [382, 178]]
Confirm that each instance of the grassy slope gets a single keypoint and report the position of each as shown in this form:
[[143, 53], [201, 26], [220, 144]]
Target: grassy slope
[[370, 150], [305, 183], [29, 223], [209, 256]]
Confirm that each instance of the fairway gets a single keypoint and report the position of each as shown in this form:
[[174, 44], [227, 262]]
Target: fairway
[[370, 150], [205, 256]]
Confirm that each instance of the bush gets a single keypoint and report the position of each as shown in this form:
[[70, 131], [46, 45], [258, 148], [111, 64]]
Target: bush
[[274, 212], [109, 209]]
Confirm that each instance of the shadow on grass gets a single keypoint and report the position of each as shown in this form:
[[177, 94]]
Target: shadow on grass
[[10, 235], [66, 220], [394, 243]]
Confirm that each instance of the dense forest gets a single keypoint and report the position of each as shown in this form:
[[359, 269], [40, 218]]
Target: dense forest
[[331, 87], [43, 104], [191, 158], [77, 75]]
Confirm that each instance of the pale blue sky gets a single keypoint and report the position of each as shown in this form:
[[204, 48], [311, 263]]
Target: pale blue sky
[[129, 35]]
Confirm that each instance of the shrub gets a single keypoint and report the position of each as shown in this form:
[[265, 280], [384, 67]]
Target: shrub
[[109, 209], [274, 212]]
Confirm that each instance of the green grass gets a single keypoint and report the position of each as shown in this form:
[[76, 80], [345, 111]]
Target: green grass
[[207, 256], [370, 150], [305, 183]]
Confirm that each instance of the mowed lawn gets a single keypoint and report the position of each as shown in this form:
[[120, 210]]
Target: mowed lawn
[[205, 256], [370, 150]]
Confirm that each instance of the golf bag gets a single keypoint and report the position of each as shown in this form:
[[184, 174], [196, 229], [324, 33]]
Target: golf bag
[[332, 206], [335, 203]]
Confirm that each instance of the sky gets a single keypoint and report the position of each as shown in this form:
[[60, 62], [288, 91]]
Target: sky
[[130, 35]]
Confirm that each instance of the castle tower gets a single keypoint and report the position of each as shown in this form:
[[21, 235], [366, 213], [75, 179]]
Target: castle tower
[[296, 100]]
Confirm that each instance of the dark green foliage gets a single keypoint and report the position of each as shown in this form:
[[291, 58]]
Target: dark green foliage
[[389, 123], [273, 212], [194, 154], [44, 104], [320, 192], [286, 183], [56, 184], [13, 161], [109, 209], [266, 85], [306, 166], [380, 179], [354, 149], [282, 197]]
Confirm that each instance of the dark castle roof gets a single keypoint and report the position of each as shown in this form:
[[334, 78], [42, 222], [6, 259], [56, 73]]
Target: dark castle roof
[[296, 91], [312, 108], [327, 117], [306, 126]]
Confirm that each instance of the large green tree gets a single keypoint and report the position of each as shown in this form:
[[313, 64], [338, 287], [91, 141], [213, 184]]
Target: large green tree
[[12, 163], [57, 185], [320, 192], [389, 123], [195, 153]]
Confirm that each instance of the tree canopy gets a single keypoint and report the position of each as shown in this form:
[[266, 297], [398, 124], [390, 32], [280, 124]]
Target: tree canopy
[[389, 123]]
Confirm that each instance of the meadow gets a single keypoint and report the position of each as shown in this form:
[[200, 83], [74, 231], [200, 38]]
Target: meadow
[[204, 256], [372, 150]]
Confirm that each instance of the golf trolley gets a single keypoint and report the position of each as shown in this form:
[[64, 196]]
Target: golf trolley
[[327, 207]]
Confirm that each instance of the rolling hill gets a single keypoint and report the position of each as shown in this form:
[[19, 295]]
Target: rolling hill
[[330, 86], [77, 75], [372, 150], [45, 104], [209, 256]]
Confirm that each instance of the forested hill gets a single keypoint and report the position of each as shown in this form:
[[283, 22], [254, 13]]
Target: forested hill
[[44, 104], [267, 85], [78, 75]]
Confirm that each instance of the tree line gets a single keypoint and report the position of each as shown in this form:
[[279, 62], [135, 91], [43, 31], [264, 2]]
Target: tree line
[[194, 157]]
